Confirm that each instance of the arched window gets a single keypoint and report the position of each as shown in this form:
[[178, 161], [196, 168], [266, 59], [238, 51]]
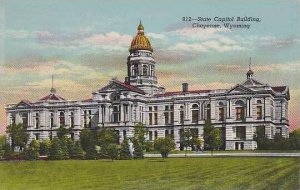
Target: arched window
[[61, 119], [207, 112], [181, 115], [195, 113], [240, 110], [116, 114], [51, 120], [145, 70], [37, 120], [221, 111], [72, 120]]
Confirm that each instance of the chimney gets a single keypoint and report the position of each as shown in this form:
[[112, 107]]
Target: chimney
[[185, 87]]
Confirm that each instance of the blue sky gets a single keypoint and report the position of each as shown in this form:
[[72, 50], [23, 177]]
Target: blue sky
[[85, 43]]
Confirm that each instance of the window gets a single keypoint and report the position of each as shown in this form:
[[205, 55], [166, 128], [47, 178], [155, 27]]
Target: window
[[221, 114], [155, 134], [72, 120], [51, 120], [241, 132], [61, 119], [240, 113], [116, 114], [90, 118], [167, 118], [150, 118], [124, 134], [278, 131], [155, 108], [207, 112], [37, 136], [166, 133], [195, 113], [155, 119], [181, 117], [145, 70], [150, 135], [37, 121], [72, 136], [259, 112], [25, 119]]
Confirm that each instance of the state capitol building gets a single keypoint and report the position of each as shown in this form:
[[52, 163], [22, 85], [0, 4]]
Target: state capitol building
[[140, 99]]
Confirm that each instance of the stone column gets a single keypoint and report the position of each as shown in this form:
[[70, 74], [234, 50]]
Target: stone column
[[121, 112], [100, 114]]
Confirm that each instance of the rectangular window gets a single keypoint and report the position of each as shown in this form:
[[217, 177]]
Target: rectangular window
[[155, 108], [150, 108], [37, 136], [259, 112], [172, 117], [155, 119], [240, 113], [167, 118], [278, 131], [241, 132], [150, 118], [155, 134], [221, 114], [195, 116], [150, 135], [181, 117]]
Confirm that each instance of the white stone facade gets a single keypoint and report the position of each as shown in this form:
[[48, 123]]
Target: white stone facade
[[237, 111]]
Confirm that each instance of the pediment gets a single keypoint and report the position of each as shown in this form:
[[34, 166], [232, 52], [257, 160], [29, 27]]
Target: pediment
[[23, 104], [239, 89], [112, 87], [116, 86]]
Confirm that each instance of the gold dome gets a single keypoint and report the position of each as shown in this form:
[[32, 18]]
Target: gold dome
[[140, 41]]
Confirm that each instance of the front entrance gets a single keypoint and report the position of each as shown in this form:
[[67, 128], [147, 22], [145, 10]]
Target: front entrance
[[239, 145]]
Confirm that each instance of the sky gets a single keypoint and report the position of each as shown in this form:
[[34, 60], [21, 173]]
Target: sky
[[84, 44]]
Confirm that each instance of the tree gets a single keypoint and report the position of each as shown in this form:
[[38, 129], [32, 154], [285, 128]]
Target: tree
[[32, 151], [139, 141], [65, 146], [125, 150], [189, 138], [63, 132], [91, 152], [164, 146], [207, 131], [216, 139], [85, 139], [44, 147], [56, 152], [18, 135], [112, 151], [106, 138], [295, 139], [2, 145], [76, 151]]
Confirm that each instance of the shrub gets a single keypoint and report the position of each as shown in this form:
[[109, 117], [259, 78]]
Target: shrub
[[164, 146], [76, 151], [125, 150]]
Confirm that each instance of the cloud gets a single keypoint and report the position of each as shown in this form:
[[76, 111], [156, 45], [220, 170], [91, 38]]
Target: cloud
[[271, 67], [205, 47]]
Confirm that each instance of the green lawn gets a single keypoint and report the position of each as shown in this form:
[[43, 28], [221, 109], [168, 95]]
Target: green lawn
[[175, 173]]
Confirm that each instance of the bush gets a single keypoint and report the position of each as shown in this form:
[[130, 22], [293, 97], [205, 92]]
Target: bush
[[112, 151], [76, 151], [125, 150], [32, 151], [56, 152], [31, 154], [44, 147], [164, 146], [91, 152]]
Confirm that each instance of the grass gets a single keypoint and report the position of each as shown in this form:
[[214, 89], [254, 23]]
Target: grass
[[174, 173]]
